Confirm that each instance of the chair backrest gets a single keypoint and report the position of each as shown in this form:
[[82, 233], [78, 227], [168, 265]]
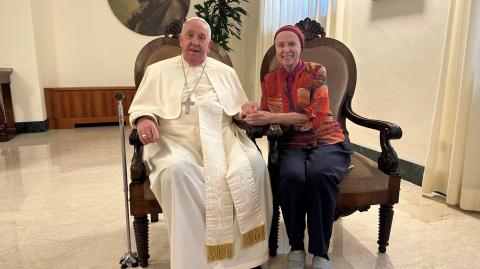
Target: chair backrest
[[329, 52], [167, 47]]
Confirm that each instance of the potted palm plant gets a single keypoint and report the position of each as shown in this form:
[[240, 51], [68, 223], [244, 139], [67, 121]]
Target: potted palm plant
[[224, 17]]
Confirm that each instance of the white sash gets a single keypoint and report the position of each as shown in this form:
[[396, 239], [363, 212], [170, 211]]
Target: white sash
[[229, 184]]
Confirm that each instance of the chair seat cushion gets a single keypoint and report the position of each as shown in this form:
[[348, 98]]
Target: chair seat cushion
[[364, 176]]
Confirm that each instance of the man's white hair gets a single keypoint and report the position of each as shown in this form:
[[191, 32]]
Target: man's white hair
[[202, 20]]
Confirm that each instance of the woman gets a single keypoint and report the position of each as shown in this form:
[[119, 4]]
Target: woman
[[314, 153]]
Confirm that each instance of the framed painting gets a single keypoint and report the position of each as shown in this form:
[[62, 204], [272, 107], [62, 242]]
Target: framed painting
[[149, 17]]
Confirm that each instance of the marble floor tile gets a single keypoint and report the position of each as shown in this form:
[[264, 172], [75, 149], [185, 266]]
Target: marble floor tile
[[62, 206]]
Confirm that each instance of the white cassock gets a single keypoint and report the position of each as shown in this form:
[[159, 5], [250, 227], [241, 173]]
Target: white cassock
[[178, 166]]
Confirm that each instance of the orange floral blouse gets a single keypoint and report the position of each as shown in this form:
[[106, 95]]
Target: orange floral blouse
[[304, 90]]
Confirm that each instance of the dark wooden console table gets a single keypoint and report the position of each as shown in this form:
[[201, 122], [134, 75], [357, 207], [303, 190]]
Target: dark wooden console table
[[7, 120]]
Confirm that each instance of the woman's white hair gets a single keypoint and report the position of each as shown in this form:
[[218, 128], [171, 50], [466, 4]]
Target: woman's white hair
[[204, 22]]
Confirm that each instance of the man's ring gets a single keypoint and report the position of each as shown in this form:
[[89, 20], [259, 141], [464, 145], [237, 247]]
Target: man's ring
[[144, 135]]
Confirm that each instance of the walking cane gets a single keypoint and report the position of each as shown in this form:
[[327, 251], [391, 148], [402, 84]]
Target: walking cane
[[130, 258]]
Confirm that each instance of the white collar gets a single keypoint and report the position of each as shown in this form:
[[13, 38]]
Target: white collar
[[187, 65]]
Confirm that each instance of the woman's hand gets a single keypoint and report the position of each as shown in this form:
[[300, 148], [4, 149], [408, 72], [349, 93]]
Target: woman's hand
[[249, 108], [260, 118]]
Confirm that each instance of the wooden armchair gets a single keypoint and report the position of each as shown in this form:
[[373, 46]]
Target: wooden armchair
[[142, 200], [367, 183]]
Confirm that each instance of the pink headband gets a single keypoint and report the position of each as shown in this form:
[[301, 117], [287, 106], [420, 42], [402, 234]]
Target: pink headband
[[293, 29]]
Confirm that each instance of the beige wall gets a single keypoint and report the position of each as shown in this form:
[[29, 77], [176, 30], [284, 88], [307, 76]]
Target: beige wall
[[397, 45], [100, 49], [18, 51], [85, 45], [244, 50]]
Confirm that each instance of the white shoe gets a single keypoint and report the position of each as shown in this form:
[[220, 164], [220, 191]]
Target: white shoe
[[321, 263], [296, 259]]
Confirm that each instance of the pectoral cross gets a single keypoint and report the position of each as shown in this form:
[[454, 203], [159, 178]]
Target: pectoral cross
[[187, 105]]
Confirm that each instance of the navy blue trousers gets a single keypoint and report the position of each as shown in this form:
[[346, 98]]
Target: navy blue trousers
[[308, 186]]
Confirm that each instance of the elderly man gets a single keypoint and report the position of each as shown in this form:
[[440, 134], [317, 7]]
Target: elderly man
[[209, 178]]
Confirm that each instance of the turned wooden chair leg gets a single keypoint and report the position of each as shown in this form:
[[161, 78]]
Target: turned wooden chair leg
[[274, 229], [140, 227], [384, 226], [273, 237]]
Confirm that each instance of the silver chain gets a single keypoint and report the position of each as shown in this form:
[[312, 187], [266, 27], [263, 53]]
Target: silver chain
[[185, 86]]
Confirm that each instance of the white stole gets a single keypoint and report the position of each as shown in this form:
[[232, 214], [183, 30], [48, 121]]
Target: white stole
[[229, 185]]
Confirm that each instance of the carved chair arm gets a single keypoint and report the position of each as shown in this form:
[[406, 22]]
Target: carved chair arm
[[253, 132], [241, 123], [257, 131], [388, 160], [272, 131], [138, 170]]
